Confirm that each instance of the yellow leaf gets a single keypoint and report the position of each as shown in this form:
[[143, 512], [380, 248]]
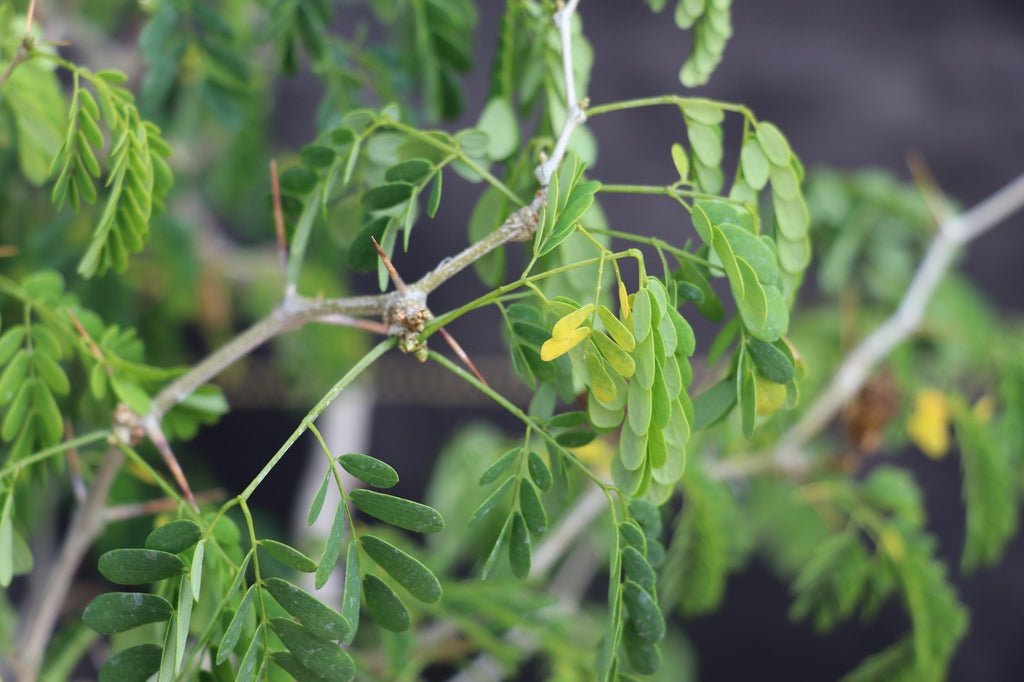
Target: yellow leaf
[[557, 347], [570, 322], [770, 397], [928, 426], [597, 455], [893, 544], [624, 311], [985, 409]]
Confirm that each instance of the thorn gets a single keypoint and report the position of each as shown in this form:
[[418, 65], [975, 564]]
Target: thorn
[[156, 435], [275, 192], [933, 195], [94, 349], [395, 277], [454, 345]]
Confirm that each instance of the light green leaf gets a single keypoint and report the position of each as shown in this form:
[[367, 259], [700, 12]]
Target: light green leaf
[[499, 122], [774, 144], [755, 164], [681, 161], [706, 141], [350, 597], [248, 667]]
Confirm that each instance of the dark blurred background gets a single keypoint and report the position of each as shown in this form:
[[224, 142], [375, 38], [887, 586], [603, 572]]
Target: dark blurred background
[[853, 85]]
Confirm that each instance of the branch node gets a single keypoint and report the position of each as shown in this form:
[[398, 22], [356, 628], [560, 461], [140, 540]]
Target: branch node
[[406, 315]]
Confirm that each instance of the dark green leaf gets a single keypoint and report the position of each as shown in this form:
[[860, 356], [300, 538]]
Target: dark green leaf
[[317, 618], [384, 606], [412, 171], [532, 508], [434, 199], [134, 664], [322, 657], [645, 617], [637, 569], [247, 668], [362, 256], [409, 572], [317, 156], [771, 362], [139, 566], [519, 547], [174, 537], [298, 180], [397, 511], [386, 196], [713, 404], [289, 556], [643, 656], [369, 470], [115, 612], [539, 471], [291, 665]]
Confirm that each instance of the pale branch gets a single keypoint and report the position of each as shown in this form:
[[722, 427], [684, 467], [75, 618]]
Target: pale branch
[[44, 604], [953, 233], [574, 108]]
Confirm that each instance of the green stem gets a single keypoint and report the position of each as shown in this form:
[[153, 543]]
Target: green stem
[[81, 441], [349, 377], [656, 243], [256, 569], [519, 414], [675, 100], [161, 483]]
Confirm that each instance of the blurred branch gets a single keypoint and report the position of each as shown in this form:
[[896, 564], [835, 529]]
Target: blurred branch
[[953, 233]]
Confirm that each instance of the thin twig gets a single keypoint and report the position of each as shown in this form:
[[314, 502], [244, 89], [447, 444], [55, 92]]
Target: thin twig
[[156, 435], [124, 512], [282, 240]]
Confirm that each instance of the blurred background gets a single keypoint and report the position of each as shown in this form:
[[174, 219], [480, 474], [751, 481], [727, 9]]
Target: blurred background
[[854, 85]]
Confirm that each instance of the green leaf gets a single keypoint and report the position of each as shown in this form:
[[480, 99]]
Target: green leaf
[[643, 656], [752, 300], [771, 362], [291, 665], [247, 668], [637, 569], [397, 511], [6, 542], [502, 128], [235, 626], [387, 196], [581, 198], [755, 164], [988, 492], [713, 404], [539, 471], [384, 606], [773, 143], [411, 171], [434, 199], [369, 470], [362, 256], [131, 394], [182, 620], [298, 180], [706, 141], [318, 499], [116, 612], [644, 615], [532, 508], [134, 664], [350, 597], [639, 407], [196, 569], [174, 537], [499, 466], [289, 556], [681, 161], [519, 547], [317, 156], [321, 657], [618, 331], [318, 619], [332, 547], [491, 501], [139, 566], [409, 572]]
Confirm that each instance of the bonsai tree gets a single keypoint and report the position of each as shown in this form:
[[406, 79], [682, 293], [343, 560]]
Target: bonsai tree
[[650, 462]]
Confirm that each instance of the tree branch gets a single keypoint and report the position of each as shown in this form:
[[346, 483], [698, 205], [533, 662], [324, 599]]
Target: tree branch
[[44, 604]]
